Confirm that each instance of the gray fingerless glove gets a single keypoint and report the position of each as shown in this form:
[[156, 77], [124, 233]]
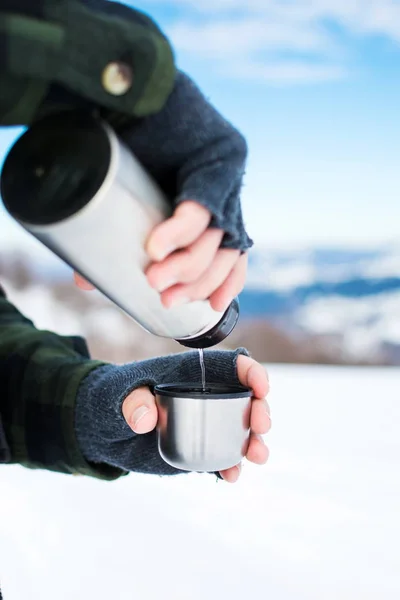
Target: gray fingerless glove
[[195, 154], [191, 151], [102, 432]]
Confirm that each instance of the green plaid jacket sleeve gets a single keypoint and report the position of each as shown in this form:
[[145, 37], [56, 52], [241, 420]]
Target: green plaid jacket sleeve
[[52, 45], [40, 373]]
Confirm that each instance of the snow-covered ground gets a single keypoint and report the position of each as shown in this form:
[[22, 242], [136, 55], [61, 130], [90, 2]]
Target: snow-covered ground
[[320, 522]]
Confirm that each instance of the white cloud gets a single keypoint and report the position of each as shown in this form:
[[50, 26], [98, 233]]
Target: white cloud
[[287, 72], [260, 31], [243, 36], [367, 15]]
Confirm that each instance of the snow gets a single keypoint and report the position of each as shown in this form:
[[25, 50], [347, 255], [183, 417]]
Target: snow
[[364, 323], [38, 303], [284, 271], [14, 240], [276, 271], [388, 266], [319, 522], [285, 278]]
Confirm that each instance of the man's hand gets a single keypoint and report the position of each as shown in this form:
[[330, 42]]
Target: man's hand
[[188, 263], [140, 412]]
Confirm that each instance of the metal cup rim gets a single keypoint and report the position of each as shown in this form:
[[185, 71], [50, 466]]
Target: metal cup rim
[[214, 391]]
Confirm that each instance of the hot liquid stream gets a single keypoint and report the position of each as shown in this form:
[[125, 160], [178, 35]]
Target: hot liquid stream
[[203, 369]]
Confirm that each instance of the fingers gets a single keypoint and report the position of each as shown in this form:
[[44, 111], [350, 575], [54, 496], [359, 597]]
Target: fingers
[[231, 287], [82, 283], [188, 222], [231, 475], [187, 265], [140, 410], [213, 278], [257, 453], [260, 420], [253, 375]]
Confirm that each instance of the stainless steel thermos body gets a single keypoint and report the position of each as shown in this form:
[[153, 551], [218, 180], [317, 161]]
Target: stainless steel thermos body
[[75, 186], [204, 431]]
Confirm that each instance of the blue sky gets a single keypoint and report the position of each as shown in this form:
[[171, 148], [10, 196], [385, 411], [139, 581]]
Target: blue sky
[[315, 87]]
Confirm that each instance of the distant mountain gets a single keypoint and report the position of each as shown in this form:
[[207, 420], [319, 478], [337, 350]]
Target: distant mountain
[[278, 270], [351, 297]]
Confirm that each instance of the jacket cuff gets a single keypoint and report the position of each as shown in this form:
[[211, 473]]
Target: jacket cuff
[[48, 440]]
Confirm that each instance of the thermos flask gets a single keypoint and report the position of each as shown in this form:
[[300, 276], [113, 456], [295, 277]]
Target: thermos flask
[[74, 185]]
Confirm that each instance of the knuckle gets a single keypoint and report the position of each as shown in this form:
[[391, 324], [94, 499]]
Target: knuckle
[[214, 235], [192, 267], [189, 272], [152, 276], [189, 209], [205, 288]]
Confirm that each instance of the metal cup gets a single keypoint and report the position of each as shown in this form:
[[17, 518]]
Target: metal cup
[[203, 430]]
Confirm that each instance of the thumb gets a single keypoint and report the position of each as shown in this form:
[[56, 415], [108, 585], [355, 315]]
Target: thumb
[[140, 410]]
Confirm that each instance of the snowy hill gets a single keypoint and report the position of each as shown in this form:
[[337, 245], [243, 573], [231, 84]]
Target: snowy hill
[[16, 242], [305, 267], [349, 296], [320, 521]]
